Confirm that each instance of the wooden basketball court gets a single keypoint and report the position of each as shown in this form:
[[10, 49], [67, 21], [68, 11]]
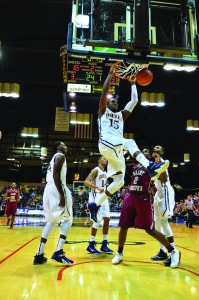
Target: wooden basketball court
[[94, 276]]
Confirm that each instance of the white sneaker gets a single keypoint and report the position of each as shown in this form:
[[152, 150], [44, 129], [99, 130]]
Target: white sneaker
[[175, 258], [117, 259]]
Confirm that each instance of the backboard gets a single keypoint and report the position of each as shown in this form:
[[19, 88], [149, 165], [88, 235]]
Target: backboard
[[153, 32]]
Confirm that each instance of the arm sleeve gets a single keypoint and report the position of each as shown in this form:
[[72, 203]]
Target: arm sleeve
[[134, 99]]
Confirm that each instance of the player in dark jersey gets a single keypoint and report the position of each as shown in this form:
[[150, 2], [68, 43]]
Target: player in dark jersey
[[12, 198], [137, 212]]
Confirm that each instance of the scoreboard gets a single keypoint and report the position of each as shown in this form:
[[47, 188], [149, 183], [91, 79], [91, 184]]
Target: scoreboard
[[86, 74]]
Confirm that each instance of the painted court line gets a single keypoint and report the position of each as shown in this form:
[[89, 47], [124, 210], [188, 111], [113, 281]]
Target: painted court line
[[11, 254], [60, 273]]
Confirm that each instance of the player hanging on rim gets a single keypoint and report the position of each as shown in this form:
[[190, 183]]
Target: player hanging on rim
[[112, 143]]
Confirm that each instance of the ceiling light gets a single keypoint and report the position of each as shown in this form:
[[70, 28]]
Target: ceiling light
[[160, 100], [9, 89], [24, 131], [73, 117], [72, 94], [5, 89], [152, 99], [79, 119], [175, 165], [36, 144], [144, 99], [73, 107], [82, 21], [35, 132], [186, 157], [86, 119], [192, 125], [44, 151], [14, 90], [128, 135], [29, 131], [189, 124], [195, 124], [187, 68]]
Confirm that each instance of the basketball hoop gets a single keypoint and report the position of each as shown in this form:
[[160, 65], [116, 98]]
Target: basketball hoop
[[126, 70]]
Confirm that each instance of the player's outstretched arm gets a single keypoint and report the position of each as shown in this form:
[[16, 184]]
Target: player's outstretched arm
[[89, 180], [105, 89], [134, 99]]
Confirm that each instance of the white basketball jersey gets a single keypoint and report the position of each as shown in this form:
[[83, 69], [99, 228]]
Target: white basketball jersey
[[49, 175], [100, 180], [158, 183], [111, 124]]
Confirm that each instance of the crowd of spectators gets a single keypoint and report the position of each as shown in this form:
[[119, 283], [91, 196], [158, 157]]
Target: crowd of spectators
[[31, 197], [187, 208]]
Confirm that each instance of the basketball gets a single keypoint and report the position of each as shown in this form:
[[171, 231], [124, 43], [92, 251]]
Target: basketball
[[144, 77]]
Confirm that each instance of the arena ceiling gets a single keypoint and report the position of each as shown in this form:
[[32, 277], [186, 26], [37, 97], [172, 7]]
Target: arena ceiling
[[31, 34]]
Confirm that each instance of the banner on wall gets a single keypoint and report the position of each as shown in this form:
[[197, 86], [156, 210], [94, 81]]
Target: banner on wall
[[61, 119]]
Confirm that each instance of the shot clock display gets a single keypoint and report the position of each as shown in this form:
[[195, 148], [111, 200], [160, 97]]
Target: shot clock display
[[87, 74]]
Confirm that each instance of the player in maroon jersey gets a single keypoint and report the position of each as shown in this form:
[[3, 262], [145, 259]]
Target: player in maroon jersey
[[12, 198], [137, 212]]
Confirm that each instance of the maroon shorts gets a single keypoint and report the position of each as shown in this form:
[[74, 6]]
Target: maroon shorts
[[11, 208], [136, 212]]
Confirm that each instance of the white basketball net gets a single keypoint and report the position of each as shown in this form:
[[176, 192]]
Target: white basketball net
[[126, 70]]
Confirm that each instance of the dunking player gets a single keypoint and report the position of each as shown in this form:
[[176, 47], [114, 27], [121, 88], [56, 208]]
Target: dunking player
[[96, 181], [112, 143], [12, 198], [57, 203], [137, 212], [164, 202]]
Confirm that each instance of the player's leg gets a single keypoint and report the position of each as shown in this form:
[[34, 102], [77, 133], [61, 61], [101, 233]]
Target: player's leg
[[8, 212], [165, 203], [116, 184], [163, 207], [39, 257], [66, 218], [59, 255], [105, 230], [174, 260], [13, 213], [127, 218], [160, 238], [121, 241], [158, 208], [162, 254], [91, 246]]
